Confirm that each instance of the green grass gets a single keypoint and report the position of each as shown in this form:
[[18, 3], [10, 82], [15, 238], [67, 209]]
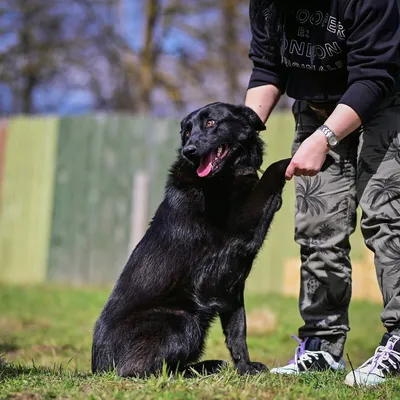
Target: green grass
[[45, 337]]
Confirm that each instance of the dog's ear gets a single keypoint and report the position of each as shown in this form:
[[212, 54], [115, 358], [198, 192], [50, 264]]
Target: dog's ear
[[253, 118], [182, 124]]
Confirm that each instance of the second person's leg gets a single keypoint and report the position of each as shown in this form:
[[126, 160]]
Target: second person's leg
[[378, 188]]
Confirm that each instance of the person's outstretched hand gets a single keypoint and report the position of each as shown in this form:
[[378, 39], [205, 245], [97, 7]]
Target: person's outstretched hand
[[309, 157]]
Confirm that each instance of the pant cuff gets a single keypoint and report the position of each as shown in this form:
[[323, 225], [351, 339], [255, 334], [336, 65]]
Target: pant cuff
[[394, 331], [332, 344], [335, 349]]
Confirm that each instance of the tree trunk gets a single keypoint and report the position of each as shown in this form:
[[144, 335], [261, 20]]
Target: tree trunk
[[148, 56], [229, 47], [29, 80], [27, 102]]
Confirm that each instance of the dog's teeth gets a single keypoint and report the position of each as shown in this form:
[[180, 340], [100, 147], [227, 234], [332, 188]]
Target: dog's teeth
[[219, 150]]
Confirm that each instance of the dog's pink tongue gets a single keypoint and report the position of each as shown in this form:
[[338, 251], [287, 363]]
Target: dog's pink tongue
[[205, 165]]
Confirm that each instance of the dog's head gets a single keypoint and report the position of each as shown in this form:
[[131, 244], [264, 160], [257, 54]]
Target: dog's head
[[220, 136]]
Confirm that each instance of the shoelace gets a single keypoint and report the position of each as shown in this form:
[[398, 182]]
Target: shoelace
[[301, 353], [384, 353]]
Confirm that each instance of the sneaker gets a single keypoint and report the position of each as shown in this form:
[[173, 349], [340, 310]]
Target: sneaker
[[309, 358], [386, 361]]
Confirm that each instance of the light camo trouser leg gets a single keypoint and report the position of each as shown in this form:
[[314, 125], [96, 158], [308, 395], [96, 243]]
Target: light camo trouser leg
[[378, 188], [325, 218]]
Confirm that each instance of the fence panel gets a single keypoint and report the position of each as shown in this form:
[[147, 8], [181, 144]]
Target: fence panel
[[27, 199], [97, 159]]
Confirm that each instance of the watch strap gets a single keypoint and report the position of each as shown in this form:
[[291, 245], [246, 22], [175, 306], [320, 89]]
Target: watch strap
[[331, 137]]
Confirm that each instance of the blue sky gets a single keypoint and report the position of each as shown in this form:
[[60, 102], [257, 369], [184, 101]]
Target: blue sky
[[55, 98]]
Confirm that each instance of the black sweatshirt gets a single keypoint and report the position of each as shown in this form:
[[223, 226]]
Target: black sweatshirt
[[345, 51]]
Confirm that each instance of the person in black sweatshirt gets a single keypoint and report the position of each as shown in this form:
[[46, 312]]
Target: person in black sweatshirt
[[339, 60]]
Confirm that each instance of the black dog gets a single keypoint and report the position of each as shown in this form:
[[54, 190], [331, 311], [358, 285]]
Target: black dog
[[193, 261]]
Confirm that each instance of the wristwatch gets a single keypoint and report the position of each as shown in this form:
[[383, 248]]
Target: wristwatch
[[331, 139]]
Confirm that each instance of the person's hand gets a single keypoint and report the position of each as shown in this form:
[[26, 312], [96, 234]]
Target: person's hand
[[310, 156]]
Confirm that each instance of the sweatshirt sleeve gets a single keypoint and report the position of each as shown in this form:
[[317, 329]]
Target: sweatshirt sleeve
[[373, 38], [265, 55]]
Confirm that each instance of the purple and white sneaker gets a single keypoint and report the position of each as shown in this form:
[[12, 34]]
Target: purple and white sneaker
[[385, 362], [309, 358]]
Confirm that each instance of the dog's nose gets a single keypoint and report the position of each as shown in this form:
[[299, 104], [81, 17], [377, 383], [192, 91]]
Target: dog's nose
[[189, 151]]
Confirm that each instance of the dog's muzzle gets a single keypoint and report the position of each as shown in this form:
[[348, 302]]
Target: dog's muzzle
[[189, 151]]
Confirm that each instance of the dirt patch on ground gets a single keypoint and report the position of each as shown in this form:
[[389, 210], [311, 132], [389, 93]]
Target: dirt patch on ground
[[14, 352], [260, 322], [9, 324], [25, 396], [43, 348]]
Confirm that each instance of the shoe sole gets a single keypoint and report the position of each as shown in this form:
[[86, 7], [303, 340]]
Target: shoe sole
[[285, 373], [351, 382]]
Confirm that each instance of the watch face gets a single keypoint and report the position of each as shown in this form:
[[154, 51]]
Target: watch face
[[332, 141]]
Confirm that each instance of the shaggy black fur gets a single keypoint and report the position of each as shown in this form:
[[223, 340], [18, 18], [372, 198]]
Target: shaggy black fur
[[193, 261]]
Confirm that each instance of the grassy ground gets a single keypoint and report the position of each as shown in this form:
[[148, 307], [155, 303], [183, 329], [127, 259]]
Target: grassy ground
[[45, 337]]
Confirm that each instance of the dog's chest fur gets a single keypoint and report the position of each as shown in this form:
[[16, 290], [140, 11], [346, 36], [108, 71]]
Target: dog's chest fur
[[219, 261]]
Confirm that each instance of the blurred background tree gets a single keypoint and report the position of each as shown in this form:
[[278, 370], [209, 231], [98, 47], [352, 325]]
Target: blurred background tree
[[160, 57]]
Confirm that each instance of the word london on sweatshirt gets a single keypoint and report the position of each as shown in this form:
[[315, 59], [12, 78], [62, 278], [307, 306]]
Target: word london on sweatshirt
[[346, 51]]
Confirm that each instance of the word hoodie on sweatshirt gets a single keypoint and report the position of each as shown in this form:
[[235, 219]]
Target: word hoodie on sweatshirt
[[347, 51]]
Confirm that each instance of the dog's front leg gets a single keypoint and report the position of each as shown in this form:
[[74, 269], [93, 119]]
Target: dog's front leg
[[258, 212], [234, 327]]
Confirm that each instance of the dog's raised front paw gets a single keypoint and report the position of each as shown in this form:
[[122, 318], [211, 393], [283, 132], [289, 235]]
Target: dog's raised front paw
[[251, 368]]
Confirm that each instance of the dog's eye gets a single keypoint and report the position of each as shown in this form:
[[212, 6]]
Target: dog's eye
[[210, 123], [187, 133]]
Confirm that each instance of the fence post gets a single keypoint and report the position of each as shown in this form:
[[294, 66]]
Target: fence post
[[140, 207], [3, 135]]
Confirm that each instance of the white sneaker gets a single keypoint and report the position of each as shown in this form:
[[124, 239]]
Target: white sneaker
[[309, 360], [386, 361]]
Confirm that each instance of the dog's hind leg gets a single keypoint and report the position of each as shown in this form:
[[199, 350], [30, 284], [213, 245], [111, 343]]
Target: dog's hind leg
[[158, 339]]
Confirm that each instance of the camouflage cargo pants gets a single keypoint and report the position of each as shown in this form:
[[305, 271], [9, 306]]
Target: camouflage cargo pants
[[365, 172]]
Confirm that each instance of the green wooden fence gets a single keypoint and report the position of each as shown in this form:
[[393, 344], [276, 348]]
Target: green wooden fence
[[69, 194]]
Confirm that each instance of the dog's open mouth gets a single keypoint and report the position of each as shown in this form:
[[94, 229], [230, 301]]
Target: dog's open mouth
[[210, 162]]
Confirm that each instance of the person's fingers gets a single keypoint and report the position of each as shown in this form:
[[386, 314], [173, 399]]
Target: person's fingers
[[299, 172], [290, 171]]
